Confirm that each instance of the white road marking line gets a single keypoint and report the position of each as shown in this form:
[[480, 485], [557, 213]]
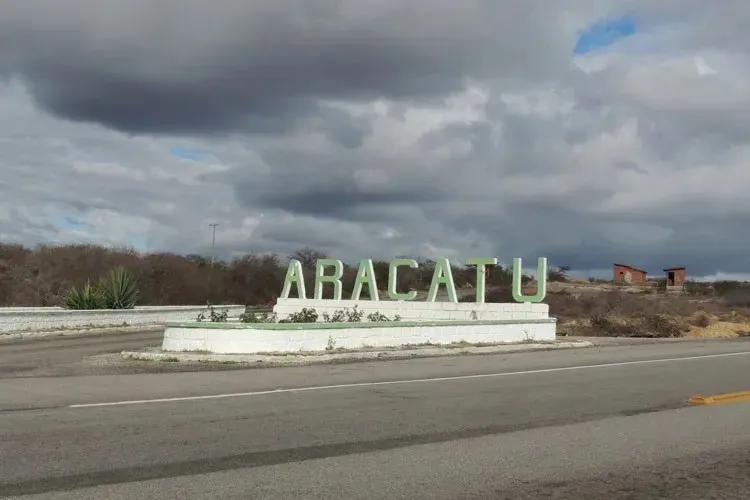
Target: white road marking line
[[407, 381]]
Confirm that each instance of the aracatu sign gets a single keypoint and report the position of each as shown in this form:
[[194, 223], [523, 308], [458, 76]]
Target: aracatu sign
[[442, 276]]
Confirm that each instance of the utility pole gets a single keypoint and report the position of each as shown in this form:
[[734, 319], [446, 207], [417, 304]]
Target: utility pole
[[213, 244]]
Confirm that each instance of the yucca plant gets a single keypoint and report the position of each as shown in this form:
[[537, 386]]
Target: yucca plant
[[88, 297], [119, 289]]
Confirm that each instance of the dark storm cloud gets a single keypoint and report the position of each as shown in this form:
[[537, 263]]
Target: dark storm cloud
[[184, 66], [135, 106], [699, 261], [342, 128], [335, 202], [330, 182]]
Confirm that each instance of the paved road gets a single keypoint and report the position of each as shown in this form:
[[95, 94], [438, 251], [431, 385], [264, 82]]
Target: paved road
[[518, 426], [91, 354]]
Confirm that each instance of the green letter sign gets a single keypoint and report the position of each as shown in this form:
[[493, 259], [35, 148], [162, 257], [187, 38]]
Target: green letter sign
[[294, 275], [335, 278], [393, 279], [365, 276], [481, 269], [541, 279], [442, 275]]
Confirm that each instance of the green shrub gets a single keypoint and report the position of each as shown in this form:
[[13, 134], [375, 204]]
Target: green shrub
[[337, 317], [119, 289], [213, 316], [377, 316], [354, 316], [116, 290], [252, 317], [309, 315], [86, 298], [306, 315], [344, 316]]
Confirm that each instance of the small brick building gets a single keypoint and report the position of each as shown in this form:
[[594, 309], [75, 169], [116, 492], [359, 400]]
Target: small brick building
[[629, 275], [675, 277]]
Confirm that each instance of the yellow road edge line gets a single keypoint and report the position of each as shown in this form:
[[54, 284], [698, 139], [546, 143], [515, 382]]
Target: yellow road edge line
[[730, 397]]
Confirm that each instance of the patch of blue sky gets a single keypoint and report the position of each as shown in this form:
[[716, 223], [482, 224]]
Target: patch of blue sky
[[69, 222], [190, 154], [139, 242], [604, 33]]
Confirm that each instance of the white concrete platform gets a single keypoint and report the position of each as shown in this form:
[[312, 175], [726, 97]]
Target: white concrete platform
[[253, 338]]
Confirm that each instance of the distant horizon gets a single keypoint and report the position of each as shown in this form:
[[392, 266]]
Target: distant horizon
[[600, 274]]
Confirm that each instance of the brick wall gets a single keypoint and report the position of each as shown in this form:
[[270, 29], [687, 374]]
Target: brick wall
[[636, 276]]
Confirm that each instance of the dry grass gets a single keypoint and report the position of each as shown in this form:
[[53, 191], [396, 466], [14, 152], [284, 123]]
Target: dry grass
[[601, 309], [604, 309], [721, 330], [712, 314]]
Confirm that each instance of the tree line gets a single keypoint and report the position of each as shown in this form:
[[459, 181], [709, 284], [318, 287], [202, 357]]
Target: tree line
[[43, 275]]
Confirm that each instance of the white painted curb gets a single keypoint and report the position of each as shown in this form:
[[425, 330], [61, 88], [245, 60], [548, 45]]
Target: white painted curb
[[296, 358]]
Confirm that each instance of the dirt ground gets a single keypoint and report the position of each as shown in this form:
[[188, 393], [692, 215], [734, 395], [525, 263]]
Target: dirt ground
[[716, 310]]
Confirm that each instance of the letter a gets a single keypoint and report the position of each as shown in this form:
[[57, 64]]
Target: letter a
[[294, 275]]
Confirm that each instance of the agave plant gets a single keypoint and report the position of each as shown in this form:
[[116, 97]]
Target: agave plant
[[88, 297], [119, 289]]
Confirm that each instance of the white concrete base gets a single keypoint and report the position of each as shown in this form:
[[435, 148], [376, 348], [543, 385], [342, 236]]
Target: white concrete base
[[419, 310], [29, 319], [249, 338]]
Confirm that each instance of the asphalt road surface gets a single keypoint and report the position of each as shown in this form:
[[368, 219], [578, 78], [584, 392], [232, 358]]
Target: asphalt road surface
[[92, 354], [606, 422]]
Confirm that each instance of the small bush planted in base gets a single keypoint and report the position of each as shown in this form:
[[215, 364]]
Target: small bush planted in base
[[264, 317], [306, 315], [377, 316], [309, 315], [213, 316]]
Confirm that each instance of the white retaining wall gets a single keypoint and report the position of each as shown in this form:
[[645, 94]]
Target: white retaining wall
[[19, 319], [418, 310], [259, 338]]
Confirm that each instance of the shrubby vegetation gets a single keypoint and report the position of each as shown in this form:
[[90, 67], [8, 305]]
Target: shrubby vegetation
[[652, 314], [645, 313], [305, 315], [92, 277], [213, 316], [44, 276], [116, 290]]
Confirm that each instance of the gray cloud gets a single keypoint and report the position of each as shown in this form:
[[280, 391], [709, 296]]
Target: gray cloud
[[384, 128], [178, 66]]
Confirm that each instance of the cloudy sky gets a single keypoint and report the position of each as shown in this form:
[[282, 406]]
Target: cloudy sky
[[586, 131]]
